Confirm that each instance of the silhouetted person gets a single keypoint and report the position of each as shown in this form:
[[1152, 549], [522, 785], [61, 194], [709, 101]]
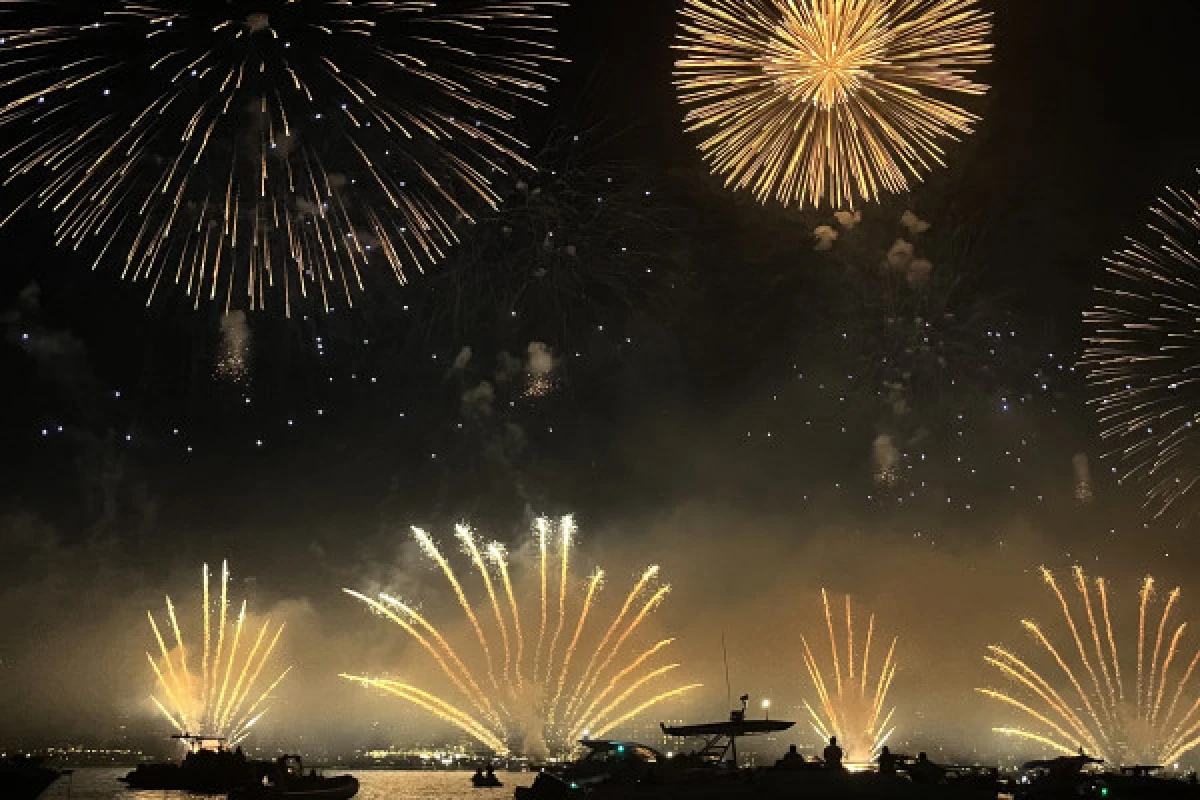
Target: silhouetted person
[[491, 773], [478, 776], [791, 759], [925, 771], [886, 761], [832, 754]]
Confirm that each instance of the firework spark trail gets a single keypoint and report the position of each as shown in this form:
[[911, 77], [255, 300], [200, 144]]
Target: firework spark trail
[[500, 559], [542, 526], [532, 694], [1158, 639], [365, 132], [1066, 669], [1135, 729], [237, 635], [173, 687], [207, 635], [433, 704], [464, 535], [1162, 683], [249, 718], [866, 648], [594, 584], [1147, 590], [818, 680], [565, 528], [237, 690], [653, 701], [230, 674], [647, 576], [591, 719], [837, 666], [1140, 350], [1081, 586], [453, 668], [1183, 682], [432, 551], [483, 701], [208, 710], [648, 607], [179, 644], [853, 706], [616, 680], [808, 101], [1019, 671], [1048, 577]]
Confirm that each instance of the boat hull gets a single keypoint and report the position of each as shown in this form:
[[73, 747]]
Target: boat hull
[[25, 784], [760, 785]]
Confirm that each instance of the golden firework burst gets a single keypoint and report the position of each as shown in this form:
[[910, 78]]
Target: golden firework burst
[[534, 697], [807, 101], [851, 701], [229, 693], [1091, 698]]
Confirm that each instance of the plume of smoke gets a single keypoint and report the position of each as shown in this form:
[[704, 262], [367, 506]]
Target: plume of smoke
[[233, 360], [1083, 477], [900, 256], [258, 22], [461, 360], [825, 236], [914, 224], [540, 367], [886, 458], [508, 367], [848, 219], [477, 402], [919, 272]]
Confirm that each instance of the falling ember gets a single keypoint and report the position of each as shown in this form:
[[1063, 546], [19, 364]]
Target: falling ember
[[228, 697], [233, 358], [547, 699], [1142, 342], [808, 101], [1147, 712], [850, 700], [297, 157]]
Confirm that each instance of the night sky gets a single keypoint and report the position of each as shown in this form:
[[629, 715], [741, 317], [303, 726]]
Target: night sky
[[715, 398]]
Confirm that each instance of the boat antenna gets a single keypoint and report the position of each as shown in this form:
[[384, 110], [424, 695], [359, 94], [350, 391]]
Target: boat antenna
[[725, 657]]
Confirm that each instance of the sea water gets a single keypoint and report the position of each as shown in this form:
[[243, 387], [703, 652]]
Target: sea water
[[101, 784]]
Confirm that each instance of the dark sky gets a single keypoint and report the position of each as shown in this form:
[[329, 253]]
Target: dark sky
[[708, 396]]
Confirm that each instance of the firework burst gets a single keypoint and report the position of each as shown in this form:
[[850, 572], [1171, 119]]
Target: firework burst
[[805, 101], [287, 148], [1142, 713], [230, 692], [851, 701], [1142, 354], [539, 678]]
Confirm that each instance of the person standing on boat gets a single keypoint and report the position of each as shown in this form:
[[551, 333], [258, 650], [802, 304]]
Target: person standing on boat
[[833, 754], [886, 761]]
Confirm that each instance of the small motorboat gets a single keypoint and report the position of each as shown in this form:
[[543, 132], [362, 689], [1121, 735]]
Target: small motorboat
[[288, 782], [489, 781]]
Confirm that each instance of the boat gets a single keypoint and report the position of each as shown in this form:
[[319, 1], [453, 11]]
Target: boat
[[209, 767], [25, 777], [485, 781], [288, 782], [1083, 776], [624, 770]]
